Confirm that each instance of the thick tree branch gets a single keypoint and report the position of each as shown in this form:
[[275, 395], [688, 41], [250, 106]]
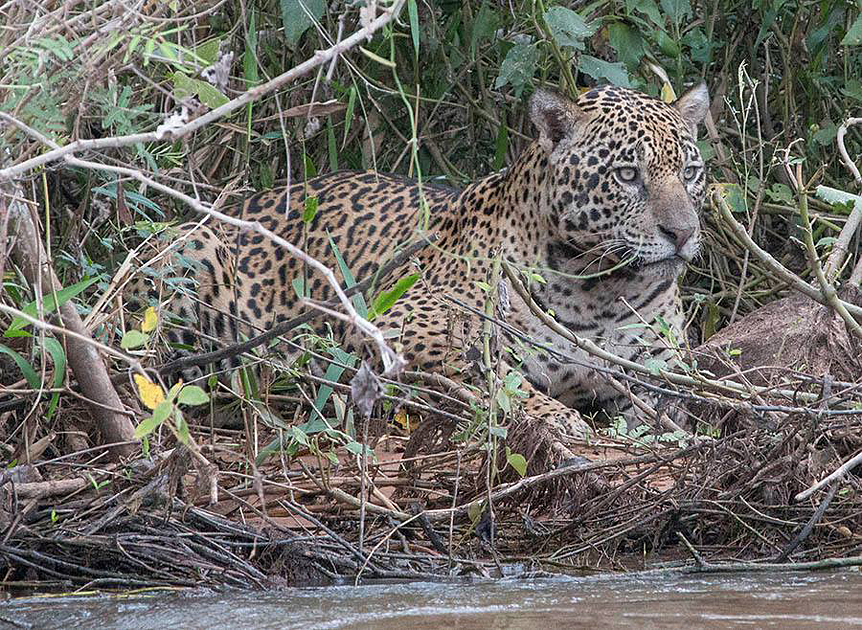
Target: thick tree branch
[[86, 364]]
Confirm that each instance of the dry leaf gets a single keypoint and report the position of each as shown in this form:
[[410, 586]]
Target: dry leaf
[[365, 389]]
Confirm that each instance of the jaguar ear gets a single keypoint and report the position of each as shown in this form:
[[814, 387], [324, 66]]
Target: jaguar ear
[[554, 116], [693, 105]]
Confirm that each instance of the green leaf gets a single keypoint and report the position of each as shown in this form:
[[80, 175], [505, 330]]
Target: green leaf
[[160, 414], [385, 300], [310, 168], [133, 339], [648, 7], [310, 210], [504, 401], [568, 28], [854, 33], [354, 447], [185, 86], [182, 429], [518, 462], [826, 135], [208, 51], [58, 356], [734, 197], [25, 367], [853, 89], [249, 56], [666, 44], [174, 391], [627, 42], [192, 395], [358, 301], [333, 373], [655, 366], [616, 73], [834, 195], [299, 435], [677, 10], [295, 17], [498, 431], [701, 47], [299, 287], [48, 305], [518, 67], [413, 12], [485, 24], [348, 114], [780, 193]]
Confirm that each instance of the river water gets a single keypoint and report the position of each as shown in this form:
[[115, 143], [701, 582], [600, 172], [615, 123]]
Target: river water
[[776, 600]]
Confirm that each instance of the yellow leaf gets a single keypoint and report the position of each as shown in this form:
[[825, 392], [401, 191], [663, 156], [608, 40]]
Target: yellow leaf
[[151, 394], [667, 93], [402, 420], [150, 320]]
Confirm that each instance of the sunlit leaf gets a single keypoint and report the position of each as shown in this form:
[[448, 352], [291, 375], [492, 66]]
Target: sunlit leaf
[[151, 394], [384, 301], [160, 414], [518, 462], [49, 304], [150, 320]]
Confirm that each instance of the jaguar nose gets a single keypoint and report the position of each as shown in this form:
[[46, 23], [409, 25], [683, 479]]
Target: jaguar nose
[[679, 236]]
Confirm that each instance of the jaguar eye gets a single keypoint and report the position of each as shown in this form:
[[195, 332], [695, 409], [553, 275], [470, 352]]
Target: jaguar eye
[[691, 172], [627, 174]]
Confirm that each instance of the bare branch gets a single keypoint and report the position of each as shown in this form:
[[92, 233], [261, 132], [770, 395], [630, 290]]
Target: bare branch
[[780, 271], [320, 58], [842, 130]]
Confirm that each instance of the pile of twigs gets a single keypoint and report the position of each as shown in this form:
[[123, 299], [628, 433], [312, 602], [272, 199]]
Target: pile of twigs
[[726, 500]]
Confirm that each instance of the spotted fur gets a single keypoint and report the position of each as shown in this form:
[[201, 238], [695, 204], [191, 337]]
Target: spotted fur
[[613, 178]]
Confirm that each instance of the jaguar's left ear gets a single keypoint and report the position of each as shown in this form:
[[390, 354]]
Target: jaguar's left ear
[[692, 106], [555, 117]]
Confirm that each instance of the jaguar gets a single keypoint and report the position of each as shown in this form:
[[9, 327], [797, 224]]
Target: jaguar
[[600, 212]]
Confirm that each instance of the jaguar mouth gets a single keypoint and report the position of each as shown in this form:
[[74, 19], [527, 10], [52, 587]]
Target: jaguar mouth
[[672, 265]]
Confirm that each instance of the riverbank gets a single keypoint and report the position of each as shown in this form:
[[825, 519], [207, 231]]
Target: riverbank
[[77, 523]]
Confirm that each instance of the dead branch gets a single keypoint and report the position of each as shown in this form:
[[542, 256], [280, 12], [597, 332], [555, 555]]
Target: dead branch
[[86, 364]]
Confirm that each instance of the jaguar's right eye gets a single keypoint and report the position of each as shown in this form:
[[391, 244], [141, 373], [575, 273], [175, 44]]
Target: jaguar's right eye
[[627, 174]]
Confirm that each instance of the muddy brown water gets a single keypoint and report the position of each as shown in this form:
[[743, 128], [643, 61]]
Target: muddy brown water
[[776, 600]]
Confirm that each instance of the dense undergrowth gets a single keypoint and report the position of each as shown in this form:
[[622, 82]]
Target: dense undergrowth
[[440, 95]]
